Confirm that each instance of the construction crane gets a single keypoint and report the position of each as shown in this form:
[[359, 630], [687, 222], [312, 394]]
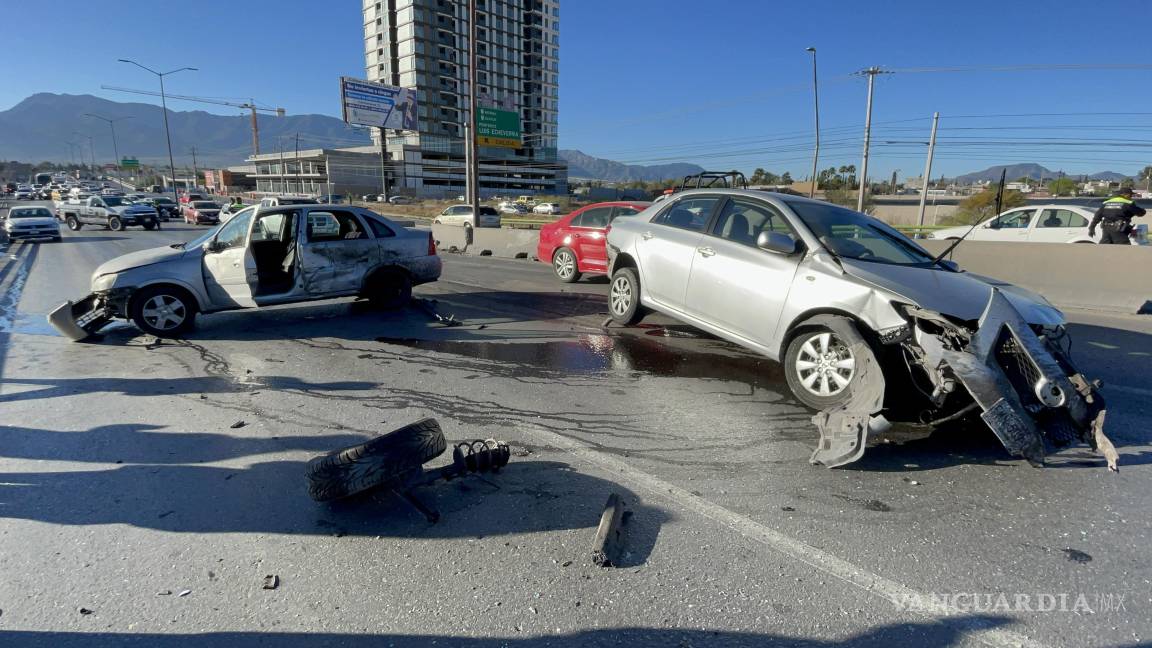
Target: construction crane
[[250, 106]]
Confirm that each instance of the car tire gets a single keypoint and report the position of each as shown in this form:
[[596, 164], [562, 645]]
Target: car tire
[[565, 266], [149, 225], [624, 297], [57, 239], [385, 460], [822, 366], [115, 224], [163, 310], [73, 224], [390, 290]]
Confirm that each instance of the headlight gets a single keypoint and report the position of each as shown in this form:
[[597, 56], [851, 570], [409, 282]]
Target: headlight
[[103, 282]]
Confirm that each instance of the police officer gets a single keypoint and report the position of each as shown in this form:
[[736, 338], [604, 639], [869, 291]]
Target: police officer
[[1115, 218]]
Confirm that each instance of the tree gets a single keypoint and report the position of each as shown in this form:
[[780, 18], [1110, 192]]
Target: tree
[[1146, 175], [1062, 187], [786, 179], [981, 206]]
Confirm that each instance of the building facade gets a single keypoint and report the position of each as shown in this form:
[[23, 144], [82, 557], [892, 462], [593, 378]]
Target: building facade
[[313, 172], [423, 44]]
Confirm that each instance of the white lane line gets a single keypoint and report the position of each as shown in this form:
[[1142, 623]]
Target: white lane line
[[898, 594]]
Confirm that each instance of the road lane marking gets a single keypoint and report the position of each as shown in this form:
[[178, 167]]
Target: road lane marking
[[896, 593]]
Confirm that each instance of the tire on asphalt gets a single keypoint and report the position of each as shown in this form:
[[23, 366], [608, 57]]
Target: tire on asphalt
[[73, 224], [624, 297], [565, 266], [382, 461], [829, 362], [163, 310], [389, 289], [148, 225], [115, 224]]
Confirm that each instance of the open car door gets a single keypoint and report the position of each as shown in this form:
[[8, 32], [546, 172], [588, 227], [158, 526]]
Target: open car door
[[229, 267]]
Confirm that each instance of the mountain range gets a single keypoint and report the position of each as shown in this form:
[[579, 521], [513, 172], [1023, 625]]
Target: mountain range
[[1030, 170], [40, 128]]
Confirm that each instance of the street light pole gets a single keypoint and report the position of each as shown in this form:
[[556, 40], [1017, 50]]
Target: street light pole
[[164, 107], [115, 148], [816, 102]]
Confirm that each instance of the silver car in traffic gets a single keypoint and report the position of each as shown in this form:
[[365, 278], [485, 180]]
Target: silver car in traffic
[[850, 306], [262, 256]]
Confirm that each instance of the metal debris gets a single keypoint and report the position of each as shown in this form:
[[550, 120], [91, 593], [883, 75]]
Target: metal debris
[[237, 425], [85, 611], [271, 582], [184, 593], [606, 543], [164, 593], [429, 307]]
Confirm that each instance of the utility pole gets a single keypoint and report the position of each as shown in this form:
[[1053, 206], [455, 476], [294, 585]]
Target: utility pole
[[283, 181], [871, 72], [194, 169], [470, 161], [299, 182], [816, 102], [928, 167]]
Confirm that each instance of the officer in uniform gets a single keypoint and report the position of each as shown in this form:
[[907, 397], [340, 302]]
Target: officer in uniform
[[1115, 218]]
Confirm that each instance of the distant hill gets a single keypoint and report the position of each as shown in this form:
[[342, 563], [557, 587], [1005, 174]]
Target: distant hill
[[1029, 170], [38, 129], [583, 166]]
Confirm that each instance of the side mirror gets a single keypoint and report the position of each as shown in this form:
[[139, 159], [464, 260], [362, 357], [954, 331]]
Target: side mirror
[[776, 242], [993, 224]]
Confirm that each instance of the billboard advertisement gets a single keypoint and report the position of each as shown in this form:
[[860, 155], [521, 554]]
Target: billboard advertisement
[[368, 103], [497, 127]]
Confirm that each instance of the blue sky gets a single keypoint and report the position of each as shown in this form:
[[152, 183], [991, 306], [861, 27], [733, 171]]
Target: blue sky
[[726, 84]]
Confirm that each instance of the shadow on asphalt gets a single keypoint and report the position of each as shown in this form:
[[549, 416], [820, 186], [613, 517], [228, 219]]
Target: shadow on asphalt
[[944, 632], [43, 388], [80, 238], [271, 497]]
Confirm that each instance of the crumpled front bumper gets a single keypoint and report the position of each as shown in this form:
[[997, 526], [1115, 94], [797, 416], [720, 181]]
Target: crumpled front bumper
[[79, 320]]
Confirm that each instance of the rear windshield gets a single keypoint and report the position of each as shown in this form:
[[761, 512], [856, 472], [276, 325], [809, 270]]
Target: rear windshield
[[488, 211], [199, 204], [30, 213]]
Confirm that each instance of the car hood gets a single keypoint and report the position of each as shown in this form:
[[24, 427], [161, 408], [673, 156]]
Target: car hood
[[132, 209], [962, 295], [46, 220], [139, 259]]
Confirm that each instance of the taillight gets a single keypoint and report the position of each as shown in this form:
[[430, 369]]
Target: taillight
[[431, 245]]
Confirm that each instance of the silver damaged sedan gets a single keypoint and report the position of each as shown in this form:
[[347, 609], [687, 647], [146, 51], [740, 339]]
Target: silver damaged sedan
[[856, 311]]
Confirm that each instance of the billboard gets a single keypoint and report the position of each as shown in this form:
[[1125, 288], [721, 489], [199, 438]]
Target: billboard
[[497, 127], [374, 104]]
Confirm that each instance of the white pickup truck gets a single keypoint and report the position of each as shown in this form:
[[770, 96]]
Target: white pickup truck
[[114, 212]]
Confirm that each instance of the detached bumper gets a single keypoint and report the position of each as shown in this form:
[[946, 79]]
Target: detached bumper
[[77, 321]]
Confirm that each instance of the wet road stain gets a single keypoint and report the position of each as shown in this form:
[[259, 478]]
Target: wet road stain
[[630, 353]]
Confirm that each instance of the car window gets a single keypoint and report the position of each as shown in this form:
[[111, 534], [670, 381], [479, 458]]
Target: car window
[[233, 233], [334, 226], [741, 221], [1062, 218], [487, 211], [853, 235], [378, 228], [271, 226], [597, 217], [1015, 220], [689, 213], [624, 211]]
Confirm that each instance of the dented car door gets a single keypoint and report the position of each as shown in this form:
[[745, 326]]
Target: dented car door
[[229, 269], [336, 250]]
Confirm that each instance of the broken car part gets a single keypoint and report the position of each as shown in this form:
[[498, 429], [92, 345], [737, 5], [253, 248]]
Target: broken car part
[[607, 542]]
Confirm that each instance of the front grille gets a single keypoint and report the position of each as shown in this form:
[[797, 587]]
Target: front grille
[[1018, 367]]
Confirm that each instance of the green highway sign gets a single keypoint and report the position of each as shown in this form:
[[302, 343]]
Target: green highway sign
[[130, 163], [497, 127]]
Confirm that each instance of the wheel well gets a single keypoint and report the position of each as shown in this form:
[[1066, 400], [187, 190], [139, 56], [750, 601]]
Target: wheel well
[[624, 260], [810, 320]]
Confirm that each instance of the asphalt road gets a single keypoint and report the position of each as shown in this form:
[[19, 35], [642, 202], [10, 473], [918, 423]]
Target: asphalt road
[[125, 482]]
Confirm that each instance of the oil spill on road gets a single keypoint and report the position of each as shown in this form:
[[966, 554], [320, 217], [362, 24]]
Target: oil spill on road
[[624, 352]]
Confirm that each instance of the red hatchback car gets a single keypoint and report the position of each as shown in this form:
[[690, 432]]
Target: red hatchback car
[[574, 245]]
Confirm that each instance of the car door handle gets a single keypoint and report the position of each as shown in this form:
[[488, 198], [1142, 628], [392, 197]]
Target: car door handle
[[646, 235], [706, 251]]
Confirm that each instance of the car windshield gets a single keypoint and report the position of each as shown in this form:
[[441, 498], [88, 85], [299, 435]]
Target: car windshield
[[30, 213], [205, 205], [852, 235], [199, 240], [113, 201], [163, 201]]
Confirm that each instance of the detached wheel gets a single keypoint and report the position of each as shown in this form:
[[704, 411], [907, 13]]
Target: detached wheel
[[385, 460], [163, 311], [73, 224], [822, 366], [115, 224], [624, 297], [390, 290], [565, 267]]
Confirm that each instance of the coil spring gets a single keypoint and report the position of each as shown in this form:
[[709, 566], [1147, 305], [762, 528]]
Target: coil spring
[[480, 456]]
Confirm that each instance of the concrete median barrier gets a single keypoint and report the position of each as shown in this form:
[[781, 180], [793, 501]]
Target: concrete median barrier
[[1097, 277], [502, 243]]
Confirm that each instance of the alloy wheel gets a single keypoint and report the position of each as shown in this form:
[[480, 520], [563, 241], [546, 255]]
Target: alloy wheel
[[564, 264], [621, 295], [825, 365], [164, 312]]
